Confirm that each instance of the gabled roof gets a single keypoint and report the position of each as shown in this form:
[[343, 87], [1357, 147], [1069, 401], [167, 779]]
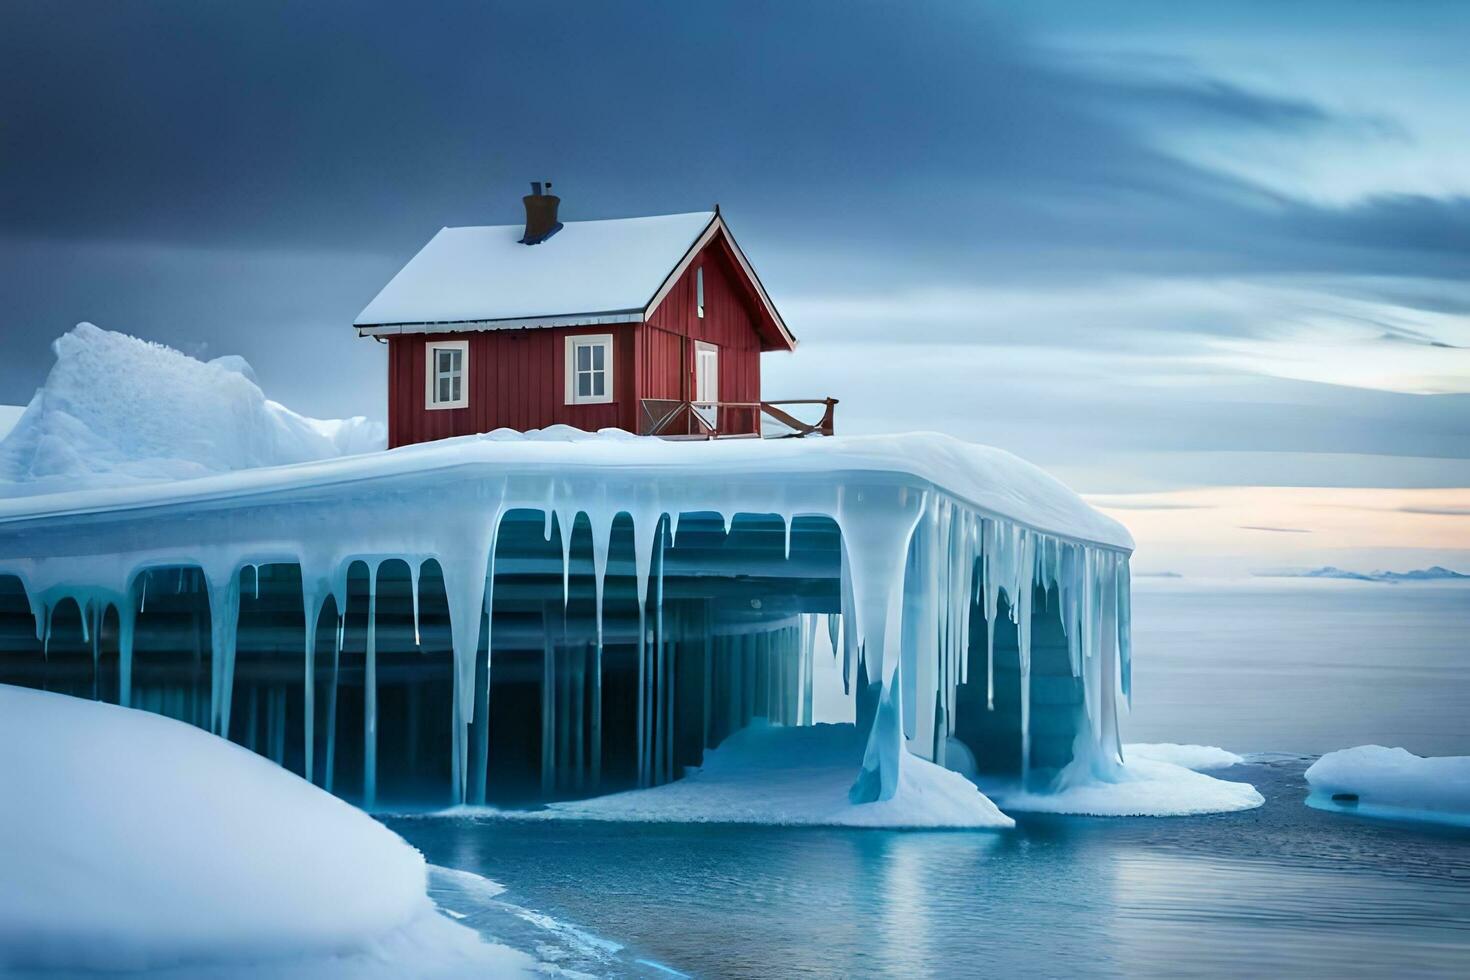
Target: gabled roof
[[590, 272]]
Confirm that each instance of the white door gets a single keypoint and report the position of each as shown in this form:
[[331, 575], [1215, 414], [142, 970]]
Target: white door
[[707, 382]]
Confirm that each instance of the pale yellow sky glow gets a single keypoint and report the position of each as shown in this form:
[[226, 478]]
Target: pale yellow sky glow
[[1250, 530]]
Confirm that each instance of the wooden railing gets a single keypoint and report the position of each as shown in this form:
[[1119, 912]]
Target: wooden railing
[[674, 419]]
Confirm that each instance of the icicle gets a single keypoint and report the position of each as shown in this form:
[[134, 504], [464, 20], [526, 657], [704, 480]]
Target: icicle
[[566, 522], [1125, 629], [414, 568], [46, 636], [788, 519], [808, 662], [467, 562], [1026, 586], [143, 602], [370, 695], [224, 615], [877, 524]]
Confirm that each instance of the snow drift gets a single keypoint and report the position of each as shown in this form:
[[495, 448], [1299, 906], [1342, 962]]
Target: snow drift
[[117, 410], [130, 841], [770, 774], [1383, 782]]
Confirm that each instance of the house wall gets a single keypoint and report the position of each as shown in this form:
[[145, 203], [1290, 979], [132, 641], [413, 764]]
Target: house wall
[[517, 377], [517, 381], [666, 343]]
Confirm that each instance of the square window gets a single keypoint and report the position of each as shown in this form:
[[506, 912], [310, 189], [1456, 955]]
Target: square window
[[589, 368], [447, 384]]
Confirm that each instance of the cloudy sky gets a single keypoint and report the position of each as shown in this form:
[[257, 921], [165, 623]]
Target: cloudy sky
[[1208, 262]]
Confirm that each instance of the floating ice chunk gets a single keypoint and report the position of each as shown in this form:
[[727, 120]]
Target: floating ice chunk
[[769, 774], [1140, 788], [1196, 757], [1383, 782], [216, 861]]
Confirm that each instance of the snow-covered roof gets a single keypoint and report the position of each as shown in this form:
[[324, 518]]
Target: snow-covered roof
[[590, 271]]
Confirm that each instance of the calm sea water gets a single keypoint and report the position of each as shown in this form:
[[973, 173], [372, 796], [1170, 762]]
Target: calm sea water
[[1281, 890]]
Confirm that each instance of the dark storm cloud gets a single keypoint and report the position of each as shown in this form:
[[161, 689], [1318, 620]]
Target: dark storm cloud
[[243, 177], [934, 130]]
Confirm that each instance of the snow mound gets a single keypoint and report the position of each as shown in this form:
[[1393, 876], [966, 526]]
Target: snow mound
[[1378, 781], [116, 410], [1141, 788], [1196, 757], [770, 774], [130, 841]]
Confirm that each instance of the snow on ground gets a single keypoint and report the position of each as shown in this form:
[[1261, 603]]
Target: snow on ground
[[116, 410], [769, 774], [131, 841], [1196, 757], [1383, 782], [1143, 787]]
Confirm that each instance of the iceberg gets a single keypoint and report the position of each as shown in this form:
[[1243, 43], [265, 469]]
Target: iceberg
[[667, 593], [1392, 782], [131, 841]]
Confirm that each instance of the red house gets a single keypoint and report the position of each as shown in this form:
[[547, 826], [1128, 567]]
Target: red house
[[654, 325]]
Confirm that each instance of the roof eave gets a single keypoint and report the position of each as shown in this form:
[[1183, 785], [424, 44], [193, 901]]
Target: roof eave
[[717, 226], [515, 323]]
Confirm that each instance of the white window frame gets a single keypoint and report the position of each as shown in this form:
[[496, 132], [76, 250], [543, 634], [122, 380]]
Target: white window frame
[[699, 291], [603, 340], [431, 387]]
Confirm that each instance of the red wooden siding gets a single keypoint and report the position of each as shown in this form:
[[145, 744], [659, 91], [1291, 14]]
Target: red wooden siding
[[517, 377], [517, 381], [666, 341]]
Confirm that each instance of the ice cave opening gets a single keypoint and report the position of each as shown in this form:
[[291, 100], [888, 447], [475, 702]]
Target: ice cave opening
[[366, 705]]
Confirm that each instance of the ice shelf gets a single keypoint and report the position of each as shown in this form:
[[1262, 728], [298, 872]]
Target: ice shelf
[[917, 564], [655, 596]]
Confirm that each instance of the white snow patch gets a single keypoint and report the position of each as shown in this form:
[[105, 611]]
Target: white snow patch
[[770, 774], [1393, 783], [589, 267], [1141, 788], [130, 841], [1196, 757], [116, 410]]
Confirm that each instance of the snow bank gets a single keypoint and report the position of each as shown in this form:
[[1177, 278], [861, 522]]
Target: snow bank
[[131, 841], [1196, 757], [769, 774], [117, 410], [1379, 781], [1141, 788]]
